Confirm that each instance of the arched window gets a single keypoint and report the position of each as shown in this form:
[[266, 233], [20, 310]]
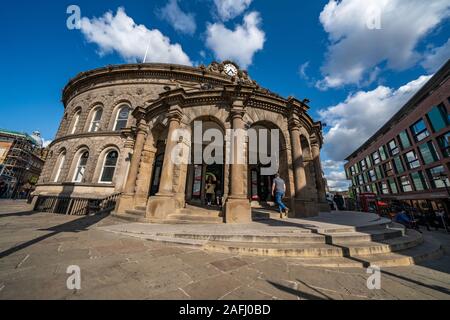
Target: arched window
[[109, 167], [75, 121], [95, 121], [60, 164], [80, 170], [122, 118]]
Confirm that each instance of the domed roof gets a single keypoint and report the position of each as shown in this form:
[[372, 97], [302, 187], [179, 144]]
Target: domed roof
[[37, 137]]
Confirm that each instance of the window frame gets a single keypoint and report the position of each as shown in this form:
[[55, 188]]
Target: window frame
[[100, 178]]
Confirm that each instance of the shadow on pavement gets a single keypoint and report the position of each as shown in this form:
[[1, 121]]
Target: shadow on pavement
[[75, 226], [300, 294]]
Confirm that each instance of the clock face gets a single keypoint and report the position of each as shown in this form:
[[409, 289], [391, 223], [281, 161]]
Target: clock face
[[230, 70]]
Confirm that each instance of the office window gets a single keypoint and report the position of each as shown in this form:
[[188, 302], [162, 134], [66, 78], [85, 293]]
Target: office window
[[404, 139], [412, 160], [393, 147], [419, 130], [372, 175], [352, 170], [406, 184], [383, 154], [419, 181], [368, 162], [428, 152], [363, 165], [374, 188], [434, 175], [393, 185], [384, 187], [444, 144], [368, 188], [388, 171], [360, 180], [376, 158], [378, 172], [438, 117], [399, 165]]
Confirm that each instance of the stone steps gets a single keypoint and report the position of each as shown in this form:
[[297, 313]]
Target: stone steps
[[369, 235], [249, 238], [412, 239], [428, 250]]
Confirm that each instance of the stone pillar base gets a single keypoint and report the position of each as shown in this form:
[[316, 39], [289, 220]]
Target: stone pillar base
[[305, 208], [238, 210], [126, 202], [160, 206], [324, 207]]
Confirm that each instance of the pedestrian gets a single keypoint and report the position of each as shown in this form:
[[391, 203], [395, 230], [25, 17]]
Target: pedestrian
[[278, 192], [209, 188], [218, 190]]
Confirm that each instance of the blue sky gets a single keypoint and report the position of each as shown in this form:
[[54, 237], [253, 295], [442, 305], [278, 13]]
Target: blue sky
[[357, 61]]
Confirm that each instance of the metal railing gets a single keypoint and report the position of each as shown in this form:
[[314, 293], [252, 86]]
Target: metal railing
[[75, 206]]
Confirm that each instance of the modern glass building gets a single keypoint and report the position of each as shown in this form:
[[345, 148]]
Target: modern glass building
[[406, 162]]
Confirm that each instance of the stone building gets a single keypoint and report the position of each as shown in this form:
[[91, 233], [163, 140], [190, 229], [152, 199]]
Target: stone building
[[116, 137]]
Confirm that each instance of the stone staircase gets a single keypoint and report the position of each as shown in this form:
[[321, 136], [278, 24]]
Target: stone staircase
[[188, 215], [383, 244]]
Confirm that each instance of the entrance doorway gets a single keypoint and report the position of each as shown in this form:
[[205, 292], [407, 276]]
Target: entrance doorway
[[202, 174], [157, 169], [260, 185]]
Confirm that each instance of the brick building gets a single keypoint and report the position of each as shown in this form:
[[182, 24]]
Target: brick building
[[406, 162]]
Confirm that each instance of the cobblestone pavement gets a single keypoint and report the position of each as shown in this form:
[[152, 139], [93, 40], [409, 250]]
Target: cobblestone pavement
[[37, 248]]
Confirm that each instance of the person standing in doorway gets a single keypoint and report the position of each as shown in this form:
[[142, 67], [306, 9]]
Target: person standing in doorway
[[278, 192], [209, 189]]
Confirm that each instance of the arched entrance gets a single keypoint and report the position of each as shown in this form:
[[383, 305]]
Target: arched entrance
[[204, 169], [260, 177]]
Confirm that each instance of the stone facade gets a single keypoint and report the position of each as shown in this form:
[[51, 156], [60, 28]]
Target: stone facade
[[161, 99]]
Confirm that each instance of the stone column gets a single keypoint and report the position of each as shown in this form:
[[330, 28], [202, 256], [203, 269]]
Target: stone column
[[163, 203], [145, 173], [304, 205], [321, 192], [237, 207], [126, 201]]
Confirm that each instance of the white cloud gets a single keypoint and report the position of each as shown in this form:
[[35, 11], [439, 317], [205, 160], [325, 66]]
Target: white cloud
[[302, 70], [355, 50], [46, 143], [356, 119], [229, 9], [239, 44], [437, 57], [179, 20], [331, 165], [121, 34]]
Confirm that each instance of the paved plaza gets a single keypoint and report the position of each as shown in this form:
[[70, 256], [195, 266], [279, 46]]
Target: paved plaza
[[37, 248]]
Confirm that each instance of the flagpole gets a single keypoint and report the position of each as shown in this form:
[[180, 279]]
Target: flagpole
[[146, 52]]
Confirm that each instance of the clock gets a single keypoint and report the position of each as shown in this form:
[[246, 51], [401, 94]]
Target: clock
[[230, 70]]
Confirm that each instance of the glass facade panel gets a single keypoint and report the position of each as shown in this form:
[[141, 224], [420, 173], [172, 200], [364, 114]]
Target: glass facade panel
[[419, 130], [399, 165], [444, 144], [383, 154], [378, 171], [435, 177], [393, 185], [438, 118], [393, 148], [412, 160], [376, 158], [428, 152], [406, 184], [404, 139], [419, 182]]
